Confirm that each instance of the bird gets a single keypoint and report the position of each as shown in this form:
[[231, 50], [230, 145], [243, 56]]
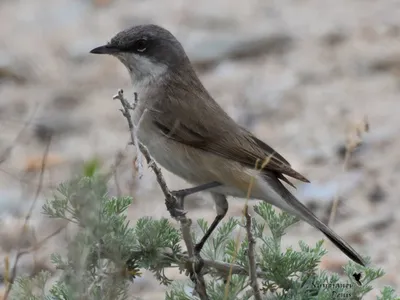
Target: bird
[[188, 133]]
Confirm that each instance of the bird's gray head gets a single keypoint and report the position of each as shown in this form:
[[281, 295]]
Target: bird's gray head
[[147, 51]]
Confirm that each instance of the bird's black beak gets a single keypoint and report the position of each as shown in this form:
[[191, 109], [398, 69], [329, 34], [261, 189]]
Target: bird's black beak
[[106, 49]]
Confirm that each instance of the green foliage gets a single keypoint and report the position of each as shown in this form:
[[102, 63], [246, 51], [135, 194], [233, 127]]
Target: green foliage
[[388, 293], [108, 252], [285, 274], [30, 288], [91, 167]]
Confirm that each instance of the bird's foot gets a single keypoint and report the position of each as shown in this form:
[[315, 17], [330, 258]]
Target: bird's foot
[[197, 248]]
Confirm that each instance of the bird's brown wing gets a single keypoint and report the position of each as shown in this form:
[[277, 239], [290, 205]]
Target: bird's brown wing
[[226, 140]]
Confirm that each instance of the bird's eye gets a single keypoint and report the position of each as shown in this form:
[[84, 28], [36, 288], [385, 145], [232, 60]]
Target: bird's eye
[[141, 45]]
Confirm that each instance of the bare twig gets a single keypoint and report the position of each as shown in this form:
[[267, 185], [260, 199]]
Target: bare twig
[[9, 278], [6, 153], [28, 216], [113, 172], [118, 160], [171, 202], [353, 141], [139, 159], [39, 244], [265, 162], [335, 203], [40, 184], [224, 269], [200, 284], [251, 255]]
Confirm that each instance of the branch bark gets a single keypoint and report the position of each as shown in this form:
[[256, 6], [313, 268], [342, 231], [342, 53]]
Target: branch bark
[[171, 202], [251, 255]]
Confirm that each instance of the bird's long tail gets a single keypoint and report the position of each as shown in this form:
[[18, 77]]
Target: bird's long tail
[[301, 211]]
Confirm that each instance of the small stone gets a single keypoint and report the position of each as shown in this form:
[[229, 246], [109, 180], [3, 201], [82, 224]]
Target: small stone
[[9, 72], [334, 38], [377, 194], [65, 101], [389, 63], [54, 124]]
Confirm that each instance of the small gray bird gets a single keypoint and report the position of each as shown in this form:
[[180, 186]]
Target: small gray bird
[[189, 134]]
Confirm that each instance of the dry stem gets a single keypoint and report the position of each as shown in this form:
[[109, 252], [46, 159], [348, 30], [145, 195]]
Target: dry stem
[[172, 204], [251, 255], [21, 252]]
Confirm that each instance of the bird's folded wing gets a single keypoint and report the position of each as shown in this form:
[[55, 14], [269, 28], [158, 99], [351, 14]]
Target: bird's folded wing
[[240, 145]]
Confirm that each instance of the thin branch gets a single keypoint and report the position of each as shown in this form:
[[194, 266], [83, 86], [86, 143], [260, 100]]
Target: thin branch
[[118, 159], [20, 253], [28, 216], [264, 163], [6, 153], [335, 203], [353, 141], [251, 255], [40, 184], [224, 269], [39, 244], [171, 202], [139, 156], [113, 172]]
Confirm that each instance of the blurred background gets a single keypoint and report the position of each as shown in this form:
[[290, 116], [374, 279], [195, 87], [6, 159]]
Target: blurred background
[[307, 76]]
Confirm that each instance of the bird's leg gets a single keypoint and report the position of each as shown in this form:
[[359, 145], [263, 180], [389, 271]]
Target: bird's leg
[[181, 194], [221, 207]]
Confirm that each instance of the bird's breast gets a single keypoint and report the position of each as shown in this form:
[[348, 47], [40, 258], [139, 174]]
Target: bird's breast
[[194, 165]]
